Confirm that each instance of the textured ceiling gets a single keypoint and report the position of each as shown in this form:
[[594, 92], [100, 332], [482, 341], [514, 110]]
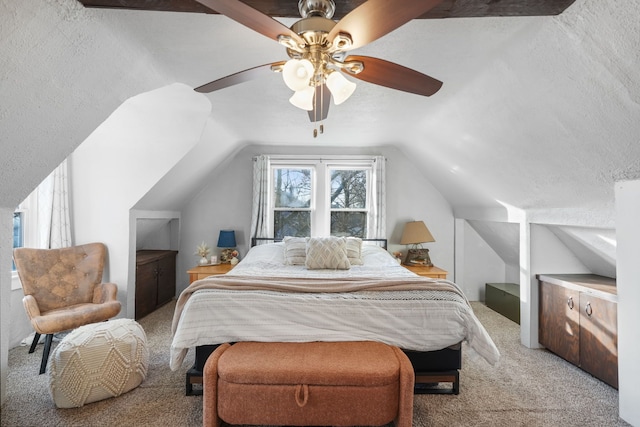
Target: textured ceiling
[[538, 113]]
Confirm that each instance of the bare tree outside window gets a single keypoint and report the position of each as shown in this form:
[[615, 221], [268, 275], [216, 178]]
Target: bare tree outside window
[[348, 202], [292, 202]]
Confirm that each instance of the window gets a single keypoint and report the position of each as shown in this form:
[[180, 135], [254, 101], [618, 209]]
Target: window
[[315, 198], [25, 223], [349, 195], [18, 232], [292, 201]]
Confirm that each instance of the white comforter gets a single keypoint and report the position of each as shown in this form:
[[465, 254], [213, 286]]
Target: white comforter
[[413, 320]]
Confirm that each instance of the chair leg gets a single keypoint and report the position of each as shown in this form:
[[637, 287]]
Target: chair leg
[[36, 338], [45, 353]]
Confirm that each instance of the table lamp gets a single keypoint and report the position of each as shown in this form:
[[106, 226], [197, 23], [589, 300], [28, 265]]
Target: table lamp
[[416, 233], [226, 241]]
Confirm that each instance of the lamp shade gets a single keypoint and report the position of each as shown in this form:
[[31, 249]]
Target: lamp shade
[[416, 232], [297, 73], [227, 239], [303, 98], [340, 87]]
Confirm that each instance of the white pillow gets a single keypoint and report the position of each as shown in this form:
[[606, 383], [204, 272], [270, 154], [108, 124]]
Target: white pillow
[[327, 253], [354, 250], [295, 249]]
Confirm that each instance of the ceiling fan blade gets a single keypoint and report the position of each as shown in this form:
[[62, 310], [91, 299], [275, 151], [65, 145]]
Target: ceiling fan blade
[[239, 77], [375, 18], [394, 76], [250, 17], [321, 102]]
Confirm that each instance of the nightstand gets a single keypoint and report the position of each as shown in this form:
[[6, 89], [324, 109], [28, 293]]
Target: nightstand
[[432, 272], [202, 271]]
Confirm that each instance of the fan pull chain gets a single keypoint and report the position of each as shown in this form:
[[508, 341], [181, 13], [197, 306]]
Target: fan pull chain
[[315, 113]]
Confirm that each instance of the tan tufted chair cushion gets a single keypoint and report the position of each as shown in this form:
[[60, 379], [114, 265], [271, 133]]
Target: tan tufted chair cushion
[[63, 288]]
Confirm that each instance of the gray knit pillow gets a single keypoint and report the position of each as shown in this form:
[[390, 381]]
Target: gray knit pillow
[[354, 250], [327, 253], [295, 249]]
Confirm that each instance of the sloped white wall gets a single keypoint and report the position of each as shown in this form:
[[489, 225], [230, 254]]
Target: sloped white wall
[[121, 161], [476, 262], [6, 245], [548, 255], [595, 247], [628, 282]]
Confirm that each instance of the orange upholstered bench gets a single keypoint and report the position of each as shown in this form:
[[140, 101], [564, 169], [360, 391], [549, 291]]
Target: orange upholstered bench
[[308, 384]]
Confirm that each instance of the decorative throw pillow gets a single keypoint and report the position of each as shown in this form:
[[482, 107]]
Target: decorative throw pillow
[[327, 253], [354, 250], [295, 249]]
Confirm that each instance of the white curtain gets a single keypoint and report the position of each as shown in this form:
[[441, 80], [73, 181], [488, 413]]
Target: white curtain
[[260, 209], [54, 225], [377, 221]]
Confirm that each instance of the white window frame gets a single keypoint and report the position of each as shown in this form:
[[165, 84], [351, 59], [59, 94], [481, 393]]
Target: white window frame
[[320, 206], [29, 210]]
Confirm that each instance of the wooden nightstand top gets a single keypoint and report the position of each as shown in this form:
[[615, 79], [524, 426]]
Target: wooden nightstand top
[[202, 271], [421, 270]]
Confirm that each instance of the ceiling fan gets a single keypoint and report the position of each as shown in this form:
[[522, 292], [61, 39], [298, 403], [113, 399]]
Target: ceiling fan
[[317, 47]]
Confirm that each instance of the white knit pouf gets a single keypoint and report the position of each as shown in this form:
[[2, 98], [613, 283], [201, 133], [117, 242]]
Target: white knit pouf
[[98, 361]]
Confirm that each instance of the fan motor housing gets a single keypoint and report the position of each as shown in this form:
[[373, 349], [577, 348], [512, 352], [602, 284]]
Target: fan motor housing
[[325, 8], [314, 30]]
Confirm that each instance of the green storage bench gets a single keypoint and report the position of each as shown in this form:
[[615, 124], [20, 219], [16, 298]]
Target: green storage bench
[[504, 298]]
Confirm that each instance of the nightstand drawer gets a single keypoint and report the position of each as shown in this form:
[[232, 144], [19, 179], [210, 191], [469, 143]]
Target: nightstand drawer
[[202, 271], [432, 272]]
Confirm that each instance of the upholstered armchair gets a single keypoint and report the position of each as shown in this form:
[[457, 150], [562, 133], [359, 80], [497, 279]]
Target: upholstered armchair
[[63, 290]]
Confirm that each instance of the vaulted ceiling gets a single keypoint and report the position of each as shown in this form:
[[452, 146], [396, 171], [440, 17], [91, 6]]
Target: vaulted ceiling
[[539, 109]]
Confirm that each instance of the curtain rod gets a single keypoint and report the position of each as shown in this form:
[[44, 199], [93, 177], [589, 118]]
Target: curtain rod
[[320, 158]]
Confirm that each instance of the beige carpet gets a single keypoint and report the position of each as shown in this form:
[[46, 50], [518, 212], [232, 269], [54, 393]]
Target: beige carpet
[[526, 388]]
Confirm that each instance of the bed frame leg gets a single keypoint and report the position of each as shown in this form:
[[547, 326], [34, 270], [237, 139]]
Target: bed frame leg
[[429, 382]]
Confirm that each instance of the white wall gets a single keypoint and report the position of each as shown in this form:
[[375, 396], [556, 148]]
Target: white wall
[[6, 245], [476, 262], [121, 161], [628, 282], [225, 203], [548, 255]]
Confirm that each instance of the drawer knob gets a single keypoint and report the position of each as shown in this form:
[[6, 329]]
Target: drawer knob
[[570, 303], [588, 309]]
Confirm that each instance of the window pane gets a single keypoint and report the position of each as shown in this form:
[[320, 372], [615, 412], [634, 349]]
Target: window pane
[[348, 224], [17, 230], [348, 189], [291, 223], [292, 188], [18, 235]]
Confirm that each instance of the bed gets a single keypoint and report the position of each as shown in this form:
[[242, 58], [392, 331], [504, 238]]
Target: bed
[[276, 293]]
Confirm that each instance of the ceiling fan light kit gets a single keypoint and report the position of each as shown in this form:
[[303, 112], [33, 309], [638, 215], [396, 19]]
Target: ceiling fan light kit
[[317, 46], [340, 88], [303, 98]]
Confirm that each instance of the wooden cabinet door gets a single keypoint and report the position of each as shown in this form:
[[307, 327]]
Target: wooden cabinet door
[[559, 321], [599, 338], [166, 278], [146, 288]]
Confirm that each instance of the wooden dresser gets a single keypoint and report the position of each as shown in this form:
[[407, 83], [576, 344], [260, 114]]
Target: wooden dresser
[[155, 280], [578, 321]]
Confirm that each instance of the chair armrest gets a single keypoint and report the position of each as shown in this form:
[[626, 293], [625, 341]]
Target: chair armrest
[[31, 306], [105, 292]]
